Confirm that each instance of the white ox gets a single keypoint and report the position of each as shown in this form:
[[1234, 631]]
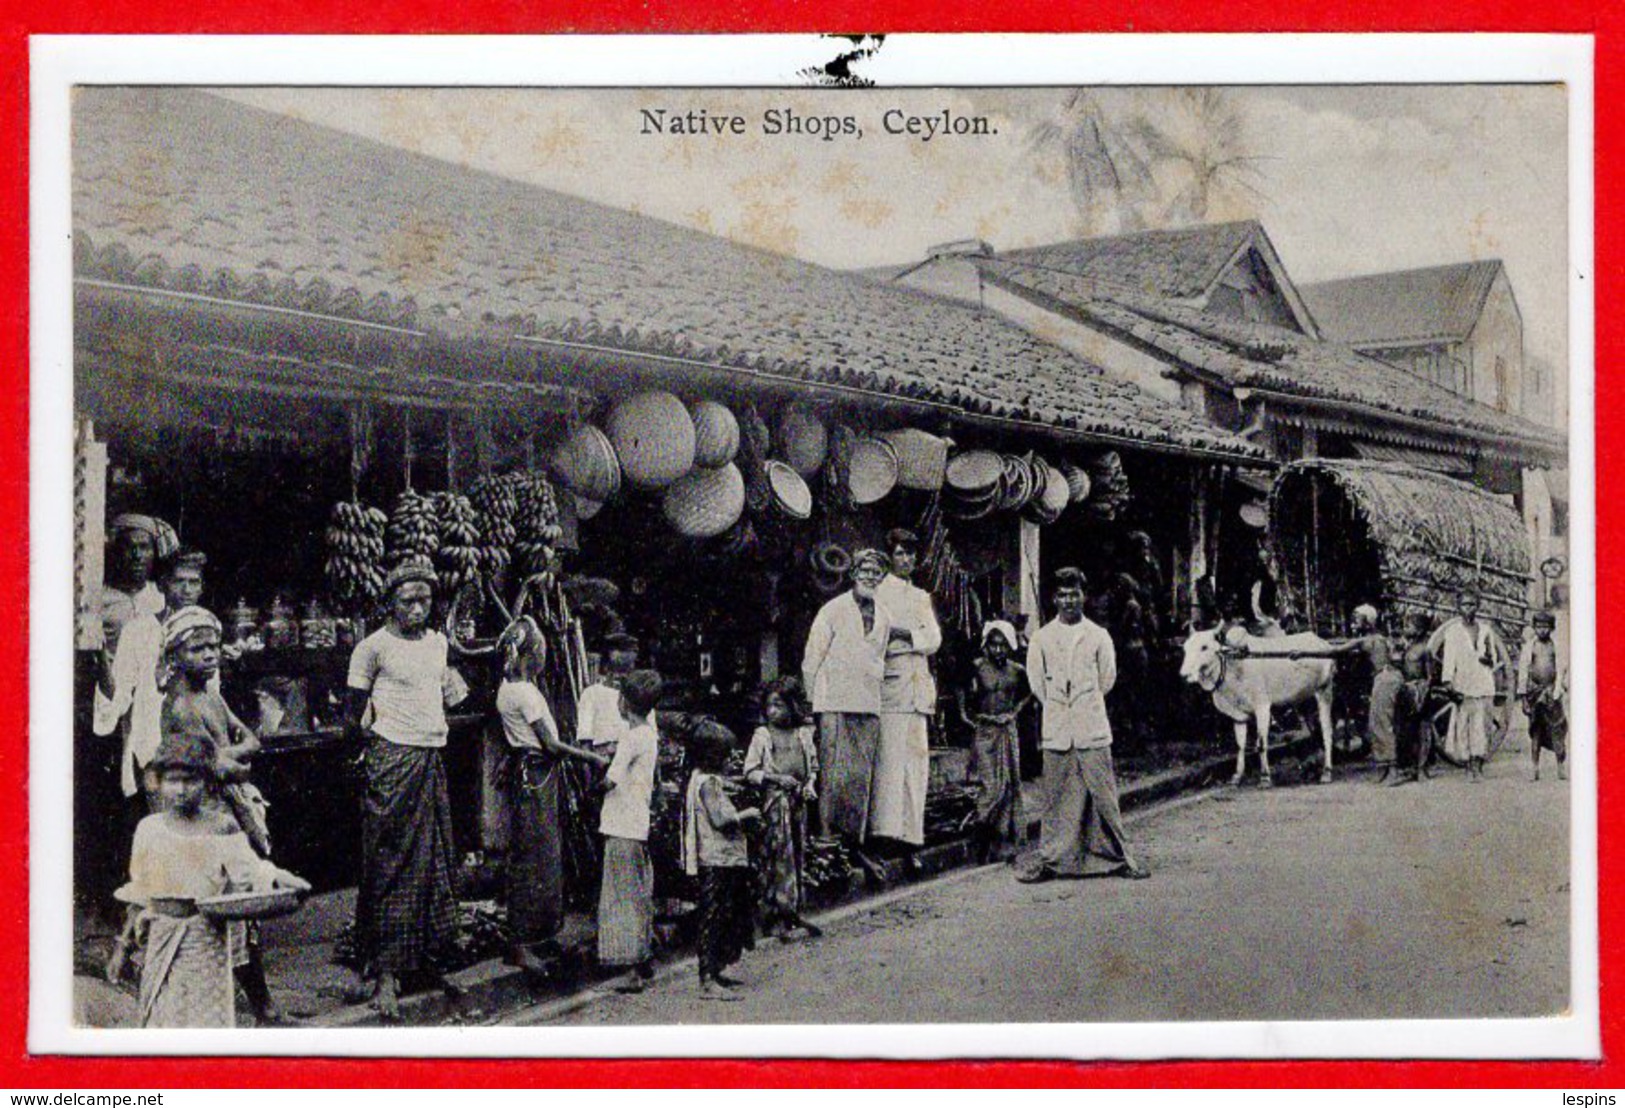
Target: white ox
[[1249, 686]]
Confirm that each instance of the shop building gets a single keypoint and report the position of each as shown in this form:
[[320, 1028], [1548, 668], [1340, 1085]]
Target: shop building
[[273, 318]]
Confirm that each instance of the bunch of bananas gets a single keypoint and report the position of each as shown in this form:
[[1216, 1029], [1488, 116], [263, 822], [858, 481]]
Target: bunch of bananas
[[496, 503], [355, 553], [537, 522], [412, 528], [459, 557]]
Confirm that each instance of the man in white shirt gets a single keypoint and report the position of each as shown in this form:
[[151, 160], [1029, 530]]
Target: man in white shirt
[[405, 910], [908, 699], [843, 668], [1071, 666], [1470, 654]]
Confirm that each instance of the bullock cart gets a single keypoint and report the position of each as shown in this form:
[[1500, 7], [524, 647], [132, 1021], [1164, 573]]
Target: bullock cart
[[1346, 533]]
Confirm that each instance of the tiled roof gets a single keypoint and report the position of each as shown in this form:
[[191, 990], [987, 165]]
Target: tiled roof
[[1264, 357], [192, 192], [1180, 264], [1438, 304]]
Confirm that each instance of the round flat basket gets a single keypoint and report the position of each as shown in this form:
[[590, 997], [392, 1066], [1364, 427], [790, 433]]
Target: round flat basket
[[252, 905], [1016, 487], [705, 503], [653, 436], [1255, 514], [1077, 482], [716, 435], [586, 464], [790, 492], [803, 440], [873, 470], [974, 471], [922, 458], [1052, 495], [979, 509], [586, 508]]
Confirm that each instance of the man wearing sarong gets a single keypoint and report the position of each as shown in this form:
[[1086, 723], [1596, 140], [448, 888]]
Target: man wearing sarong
[[405, 910], [908, 699], [1543, 685], [109, 786], [844, 666], [1387, 680], [1071, 666], [1470, 653]]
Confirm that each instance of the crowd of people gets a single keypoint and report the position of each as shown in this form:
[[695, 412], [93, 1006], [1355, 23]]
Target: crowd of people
[[842, 750]]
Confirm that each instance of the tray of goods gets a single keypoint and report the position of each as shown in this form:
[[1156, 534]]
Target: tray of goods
[[268, 904]]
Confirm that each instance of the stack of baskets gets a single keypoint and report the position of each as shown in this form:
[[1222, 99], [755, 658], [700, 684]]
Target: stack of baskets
[[978, 483]]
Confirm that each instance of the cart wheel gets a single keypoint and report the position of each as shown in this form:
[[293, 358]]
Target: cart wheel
[[1439, 722]]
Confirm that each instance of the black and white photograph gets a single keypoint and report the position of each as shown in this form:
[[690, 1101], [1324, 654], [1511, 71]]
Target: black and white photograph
[[831, 554]]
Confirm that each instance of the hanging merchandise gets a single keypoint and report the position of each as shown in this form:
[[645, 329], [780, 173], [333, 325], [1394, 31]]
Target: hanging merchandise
[[872, 471], [496, 504], [1052, 495], [1110, 492], [790, 492], [653, 436], [587, 464], [716, 435], [412, 530], [971, 483], [1077, 482], [355, 554], [803, 440], [837, 472], [922, 458], [705, 503], [457, 558]]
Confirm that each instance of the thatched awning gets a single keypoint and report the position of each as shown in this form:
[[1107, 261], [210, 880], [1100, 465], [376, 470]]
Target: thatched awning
[[1348, 532]]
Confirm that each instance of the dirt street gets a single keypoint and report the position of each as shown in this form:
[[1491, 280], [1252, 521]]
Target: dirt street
[[1350, 900]]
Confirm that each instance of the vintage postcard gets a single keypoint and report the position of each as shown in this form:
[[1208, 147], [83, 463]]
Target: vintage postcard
[[1082, 551]]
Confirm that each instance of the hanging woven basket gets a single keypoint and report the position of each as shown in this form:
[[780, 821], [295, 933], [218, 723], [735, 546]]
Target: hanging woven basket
[[706, 502], [790, 491], [974, 473], [922, 458], [803, 440], [1077, 482], [716, 435], [872, 471], [585, 463], [653, 435]]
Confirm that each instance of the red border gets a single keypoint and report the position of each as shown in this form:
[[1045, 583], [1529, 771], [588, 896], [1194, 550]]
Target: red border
[[18, 1070]]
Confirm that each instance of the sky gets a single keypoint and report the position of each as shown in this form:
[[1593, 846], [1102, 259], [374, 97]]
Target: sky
[[1346, 179]]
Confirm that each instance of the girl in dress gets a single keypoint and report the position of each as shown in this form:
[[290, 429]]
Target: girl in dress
[[782, 761], [188, 852]]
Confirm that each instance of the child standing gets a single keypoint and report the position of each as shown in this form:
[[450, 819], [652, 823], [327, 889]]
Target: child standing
[[714, 850], [535, 770], [998, 693], [193, 705], [185, 853], [626, 894], [1542, 686], [783, 762]]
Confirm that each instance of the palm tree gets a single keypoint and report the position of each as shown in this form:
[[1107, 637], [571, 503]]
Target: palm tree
[[1196, 141], [1164, 157], [1106, 175]]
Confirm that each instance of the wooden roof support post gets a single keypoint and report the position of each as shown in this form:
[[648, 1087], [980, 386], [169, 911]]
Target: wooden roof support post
[[1030, 576]]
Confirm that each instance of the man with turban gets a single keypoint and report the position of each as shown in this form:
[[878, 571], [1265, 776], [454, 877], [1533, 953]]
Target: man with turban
[[399, 683], [844, 667]]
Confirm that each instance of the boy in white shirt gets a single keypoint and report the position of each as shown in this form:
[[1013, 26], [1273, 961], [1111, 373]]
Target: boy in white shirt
[[626, 895]]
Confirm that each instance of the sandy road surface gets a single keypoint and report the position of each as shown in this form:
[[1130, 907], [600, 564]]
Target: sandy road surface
[[1344, 901]]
